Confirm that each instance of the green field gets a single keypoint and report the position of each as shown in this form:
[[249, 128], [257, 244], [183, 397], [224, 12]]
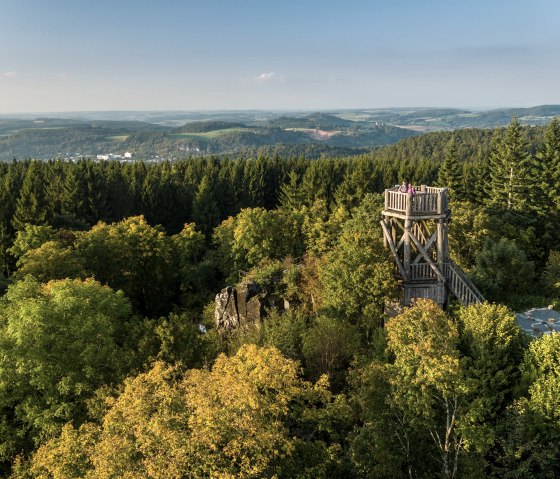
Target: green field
[[118, 137], [208, 134]]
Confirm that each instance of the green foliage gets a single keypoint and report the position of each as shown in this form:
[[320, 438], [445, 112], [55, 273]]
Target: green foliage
[[51, 260], [427, 380], [291, 197], [531, 445], [174, 339], [551, 274], [30, 237], [284, 331], [31, 206], [357, 276], [502, 269], [321, 228], [468, 231], [450, 174], [493, 346], [60, 342], [514, 178], [328, 347], [133, 256], [385, 444], [256, 234]]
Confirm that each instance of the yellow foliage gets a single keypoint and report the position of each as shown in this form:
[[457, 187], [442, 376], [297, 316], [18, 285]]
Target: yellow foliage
[[228, 422]]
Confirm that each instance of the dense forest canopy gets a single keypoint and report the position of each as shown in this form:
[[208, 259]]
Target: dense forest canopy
[[111, 364]]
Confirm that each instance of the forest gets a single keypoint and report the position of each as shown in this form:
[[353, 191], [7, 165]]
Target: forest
[[112, 364]]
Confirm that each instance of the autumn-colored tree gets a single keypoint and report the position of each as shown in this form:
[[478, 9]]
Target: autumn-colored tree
[[51, 260], [245, 418]]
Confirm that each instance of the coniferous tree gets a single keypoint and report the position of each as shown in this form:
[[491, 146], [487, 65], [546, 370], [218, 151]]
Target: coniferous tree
[[205, 208], [72, 199], [54, 188], [509, 169], [95, 186], [291, 197], [481, 175], [254, 184], [30, 206], [450, 174], [550, 158]]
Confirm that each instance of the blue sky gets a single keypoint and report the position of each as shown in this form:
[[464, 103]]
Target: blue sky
[[62, 55]]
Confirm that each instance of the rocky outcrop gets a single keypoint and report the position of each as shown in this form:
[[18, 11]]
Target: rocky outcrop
[[239, 305], [225, 314]]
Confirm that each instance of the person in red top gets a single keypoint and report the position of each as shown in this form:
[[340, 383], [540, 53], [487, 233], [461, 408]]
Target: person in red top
[[411, 189]]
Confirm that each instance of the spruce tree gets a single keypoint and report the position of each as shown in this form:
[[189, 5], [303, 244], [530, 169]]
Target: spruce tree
[[549, 156], [450, 174], [291, 197], [481, 174], [72, 199], [509, 169], [30, 206], [205, 208]]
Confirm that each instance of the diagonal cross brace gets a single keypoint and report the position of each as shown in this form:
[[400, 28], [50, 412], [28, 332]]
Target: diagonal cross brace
[[424, 254], [393, 250], [427, 247]]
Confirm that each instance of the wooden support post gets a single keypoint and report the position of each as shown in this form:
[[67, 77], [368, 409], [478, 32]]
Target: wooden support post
[[407, 233], [445, 241], [386, 200], [440, 243]]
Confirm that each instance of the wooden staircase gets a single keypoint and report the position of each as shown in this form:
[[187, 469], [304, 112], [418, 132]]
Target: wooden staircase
[[461, 286]]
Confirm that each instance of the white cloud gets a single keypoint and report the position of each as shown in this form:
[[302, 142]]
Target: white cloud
[[9, 74], [269, 77]]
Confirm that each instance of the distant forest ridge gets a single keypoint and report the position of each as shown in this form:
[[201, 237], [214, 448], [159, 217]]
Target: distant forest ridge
[[175, 135]]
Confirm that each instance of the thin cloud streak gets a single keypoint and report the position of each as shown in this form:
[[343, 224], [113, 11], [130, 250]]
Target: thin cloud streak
[[269, 77]]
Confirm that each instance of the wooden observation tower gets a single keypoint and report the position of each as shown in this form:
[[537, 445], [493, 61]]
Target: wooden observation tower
[[415, 229]]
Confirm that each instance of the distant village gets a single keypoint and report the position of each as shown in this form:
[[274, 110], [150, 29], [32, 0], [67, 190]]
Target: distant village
[[124, 158], [112, 156]]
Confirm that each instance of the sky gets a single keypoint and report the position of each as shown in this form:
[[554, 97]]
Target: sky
[[97, 55]]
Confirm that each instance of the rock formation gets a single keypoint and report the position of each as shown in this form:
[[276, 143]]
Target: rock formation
[[240, 305]]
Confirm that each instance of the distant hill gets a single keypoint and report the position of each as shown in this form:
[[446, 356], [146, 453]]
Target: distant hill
[[179, 134], [321, 121], [450, 119], [207, 126]]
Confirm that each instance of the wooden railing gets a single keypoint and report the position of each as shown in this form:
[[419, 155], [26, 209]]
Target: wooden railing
[[461, 286], [427, 201], [421, 271]]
